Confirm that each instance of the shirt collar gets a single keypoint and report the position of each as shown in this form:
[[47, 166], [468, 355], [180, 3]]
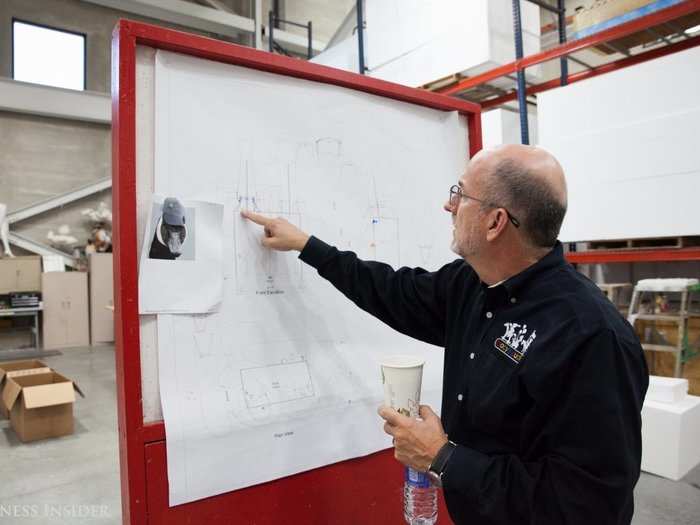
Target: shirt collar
[[512, 286]]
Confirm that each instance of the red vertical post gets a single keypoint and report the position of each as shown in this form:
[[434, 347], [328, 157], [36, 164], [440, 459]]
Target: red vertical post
[[126, 317]]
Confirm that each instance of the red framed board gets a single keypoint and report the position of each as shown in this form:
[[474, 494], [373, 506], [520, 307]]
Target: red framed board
[[363, 490]]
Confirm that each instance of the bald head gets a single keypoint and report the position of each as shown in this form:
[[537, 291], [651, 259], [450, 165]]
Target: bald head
[[537, 162], [529, 182]]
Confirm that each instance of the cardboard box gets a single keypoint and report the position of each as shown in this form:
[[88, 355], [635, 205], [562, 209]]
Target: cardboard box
[[16, 368], [65, 317], [670, 436], [593, 19], [603, 10], [21, 274], [101, 296], [41, 405]]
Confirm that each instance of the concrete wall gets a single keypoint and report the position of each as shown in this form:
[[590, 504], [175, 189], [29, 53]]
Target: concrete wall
[[44, 157]]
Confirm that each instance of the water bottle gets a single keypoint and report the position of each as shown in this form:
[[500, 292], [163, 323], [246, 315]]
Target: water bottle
[[420, 500]]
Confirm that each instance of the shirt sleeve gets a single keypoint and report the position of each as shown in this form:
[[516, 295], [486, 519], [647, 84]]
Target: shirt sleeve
[[410, 300], [589, 451]]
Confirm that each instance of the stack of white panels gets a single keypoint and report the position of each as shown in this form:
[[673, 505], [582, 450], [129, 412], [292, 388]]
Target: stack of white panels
[[628, 142]]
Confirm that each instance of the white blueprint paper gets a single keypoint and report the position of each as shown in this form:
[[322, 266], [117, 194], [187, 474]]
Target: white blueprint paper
[[192, 283], [285, 376]]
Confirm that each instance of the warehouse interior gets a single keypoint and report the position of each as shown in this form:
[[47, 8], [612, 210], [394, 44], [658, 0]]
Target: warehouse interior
[[608, 86]]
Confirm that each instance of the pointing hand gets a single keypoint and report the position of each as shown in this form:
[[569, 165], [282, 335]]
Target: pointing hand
[[280, 234]]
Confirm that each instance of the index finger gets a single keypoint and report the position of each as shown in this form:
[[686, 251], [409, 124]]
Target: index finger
[[391, 416], [256, 218]]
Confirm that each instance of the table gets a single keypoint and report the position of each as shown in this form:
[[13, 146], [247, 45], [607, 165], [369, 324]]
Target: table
[[23, 312]]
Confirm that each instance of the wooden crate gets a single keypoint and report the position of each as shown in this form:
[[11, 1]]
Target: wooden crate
[[644, 244], [662, 363]]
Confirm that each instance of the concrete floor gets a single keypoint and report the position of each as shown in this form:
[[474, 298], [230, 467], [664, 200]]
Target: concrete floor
[[53, 481], [80, 471]]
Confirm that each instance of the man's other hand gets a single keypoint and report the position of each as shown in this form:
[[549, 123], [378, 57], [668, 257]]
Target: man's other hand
[[280, 234], [416, 441]]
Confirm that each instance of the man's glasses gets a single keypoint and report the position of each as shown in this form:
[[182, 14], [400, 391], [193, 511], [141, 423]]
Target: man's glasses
[[456, 194]]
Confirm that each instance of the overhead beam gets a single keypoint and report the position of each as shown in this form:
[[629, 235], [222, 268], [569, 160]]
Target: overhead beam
[[41, 249], [618, 256], [598, 70], [215, 4], [61, 200], [185, 14], [47, 101]]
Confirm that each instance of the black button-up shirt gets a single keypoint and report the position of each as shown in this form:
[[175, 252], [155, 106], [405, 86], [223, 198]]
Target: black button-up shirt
[[543, 384]]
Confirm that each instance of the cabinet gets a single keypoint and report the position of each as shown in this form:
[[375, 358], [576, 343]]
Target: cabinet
[[101, 297], [66, 320]]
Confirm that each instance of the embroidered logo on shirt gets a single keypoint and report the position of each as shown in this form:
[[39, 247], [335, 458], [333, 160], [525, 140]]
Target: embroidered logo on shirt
[[515, 341]]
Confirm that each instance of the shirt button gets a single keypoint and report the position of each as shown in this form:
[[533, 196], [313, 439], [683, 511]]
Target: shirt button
[[513, 300], [460, 397], [471, 356], [489, 315]]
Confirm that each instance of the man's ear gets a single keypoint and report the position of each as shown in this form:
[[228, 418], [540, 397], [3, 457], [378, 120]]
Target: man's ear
[[497, 222]]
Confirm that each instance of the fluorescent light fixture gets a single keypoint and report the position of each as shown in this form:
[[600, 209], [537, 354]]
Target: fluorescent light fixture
[[694, 29], [52, 57]]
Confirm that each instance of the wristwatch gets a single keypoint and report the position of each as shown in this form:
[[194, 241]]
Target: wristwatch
[[437, 467]]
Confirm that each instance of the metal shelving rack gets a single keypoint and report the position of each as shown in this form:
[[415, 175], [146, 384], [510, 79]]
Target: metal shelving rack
[[658, 23]]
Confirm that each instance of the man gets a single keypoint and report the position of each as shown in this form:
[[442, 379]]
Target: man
[[543, 379]]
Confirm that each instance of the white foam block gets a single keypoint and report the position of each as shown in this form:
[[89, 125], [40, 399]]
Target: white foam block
[[628, 143], [414, 42], [667, 389], [671, 437]]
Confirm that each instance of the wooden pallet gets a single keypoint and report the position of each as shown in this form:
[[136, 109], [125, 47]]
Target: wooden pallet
[[644, 244]]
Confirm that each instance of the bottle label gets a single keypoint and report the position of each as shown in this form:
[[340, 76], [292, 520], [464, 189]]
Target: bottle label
[[417, 479]]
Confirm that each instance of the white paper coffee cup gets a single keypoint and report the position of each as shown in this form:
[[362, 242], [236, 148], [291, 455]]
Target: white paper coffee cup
[[402, 376]]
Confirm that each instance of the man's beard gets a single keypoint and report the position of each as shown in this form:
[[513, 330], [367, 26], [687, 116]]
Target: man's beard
[[469, 245]]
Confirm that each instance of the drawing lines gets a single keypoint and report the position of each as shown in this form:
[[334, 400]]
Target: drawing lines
[[275, 384]]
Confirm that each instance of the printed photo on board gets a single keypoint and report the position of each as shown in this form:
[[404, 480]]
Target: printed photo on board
[[173, 231]]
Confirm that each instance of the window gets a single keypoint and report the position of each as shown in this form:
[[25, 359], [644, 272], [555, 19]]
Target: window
[[43, 55]]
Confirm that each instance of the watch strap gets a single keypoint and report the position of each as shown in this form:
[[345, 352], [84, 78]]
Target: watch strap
[[441, 458]]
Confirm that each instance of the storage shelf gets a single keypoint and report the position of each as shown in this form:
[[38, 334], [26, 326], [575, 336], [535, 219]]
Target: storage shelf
[[660, 348], [667, 23], [637, 255], [661, 317], [655, 21]]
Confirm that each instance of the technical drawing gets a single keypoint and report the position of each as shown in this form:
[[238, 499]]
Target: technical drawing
[[279, 383], [329, 146], [202, 335], [256, 269], [245, 390], [383, 230]]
